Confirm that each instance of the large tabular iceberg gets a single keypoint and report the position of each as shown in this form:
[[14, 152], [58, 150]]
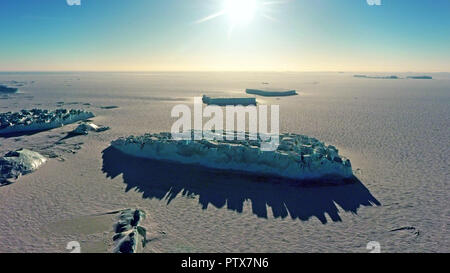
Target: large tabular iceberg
[[228, 101], [17, 163], [271, 92], [39, 120], [420, 77], [297, 157]]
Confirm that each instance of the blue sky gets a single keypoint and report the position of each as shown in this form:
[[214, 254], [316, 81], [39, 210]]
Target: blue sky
[[295, 35]]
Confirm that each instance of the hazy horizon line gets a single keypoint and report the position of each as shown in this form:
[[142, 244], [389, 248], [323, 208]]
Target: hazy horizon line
[[196, 71]]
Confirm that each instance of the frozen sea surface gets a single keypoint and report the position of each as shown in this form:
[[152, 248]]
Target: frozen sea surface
[[395, 132]]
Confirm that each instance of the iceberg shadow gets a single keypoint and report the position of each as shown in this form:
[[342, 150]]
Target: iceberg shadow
[[286, 198], [22, 133]]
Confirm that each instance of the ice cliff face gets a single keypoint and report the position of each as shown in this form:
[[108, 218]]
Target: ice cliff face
[[6, 89], [297, 157], [17, 163], [37, 119]]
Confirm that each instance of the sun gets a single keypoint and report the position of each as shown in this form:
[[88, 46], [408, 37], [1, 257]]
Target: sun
[[242, 12]]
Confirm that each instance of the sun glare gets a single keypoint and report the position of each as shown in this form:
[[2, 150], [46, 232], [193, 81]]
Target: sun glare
[[240, 11]]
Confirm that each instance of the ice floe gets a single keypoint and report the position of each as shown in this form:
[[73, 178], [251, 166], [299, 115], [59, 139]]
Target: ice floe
[[39, 120], [17, 163], [297, 156]]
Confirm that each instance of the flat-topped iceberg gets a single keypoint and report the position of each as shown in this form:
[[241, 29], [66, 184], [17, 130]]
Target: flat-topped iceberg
[[420, 77], [228, 101], [392, 77], [17, 163], [297, 156], [271, 92], [39, 120]]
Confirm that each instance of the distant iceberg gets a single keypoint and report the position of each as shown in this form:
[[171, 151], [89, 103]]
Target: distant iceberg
[[39, 120], [228, 101], [271, 92], [393, 77], [17, 163], [420, 77], [6, 89], [15, 83], [297, 157]]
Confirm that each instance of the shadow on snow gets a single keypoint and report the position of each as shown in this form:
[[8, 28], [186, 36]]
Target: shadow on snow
[[166, 180]]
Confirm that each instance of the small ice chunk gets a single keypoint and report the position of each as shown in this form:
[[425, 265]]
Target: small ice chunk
[[20, 162], [85, 128], [109, 107], [129, 232]]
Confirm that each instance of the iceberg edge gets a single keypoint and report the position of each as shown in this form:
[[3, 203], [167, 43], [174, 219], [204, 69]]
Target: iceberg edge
[[297, 157], [39, 120], [271, 93]]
